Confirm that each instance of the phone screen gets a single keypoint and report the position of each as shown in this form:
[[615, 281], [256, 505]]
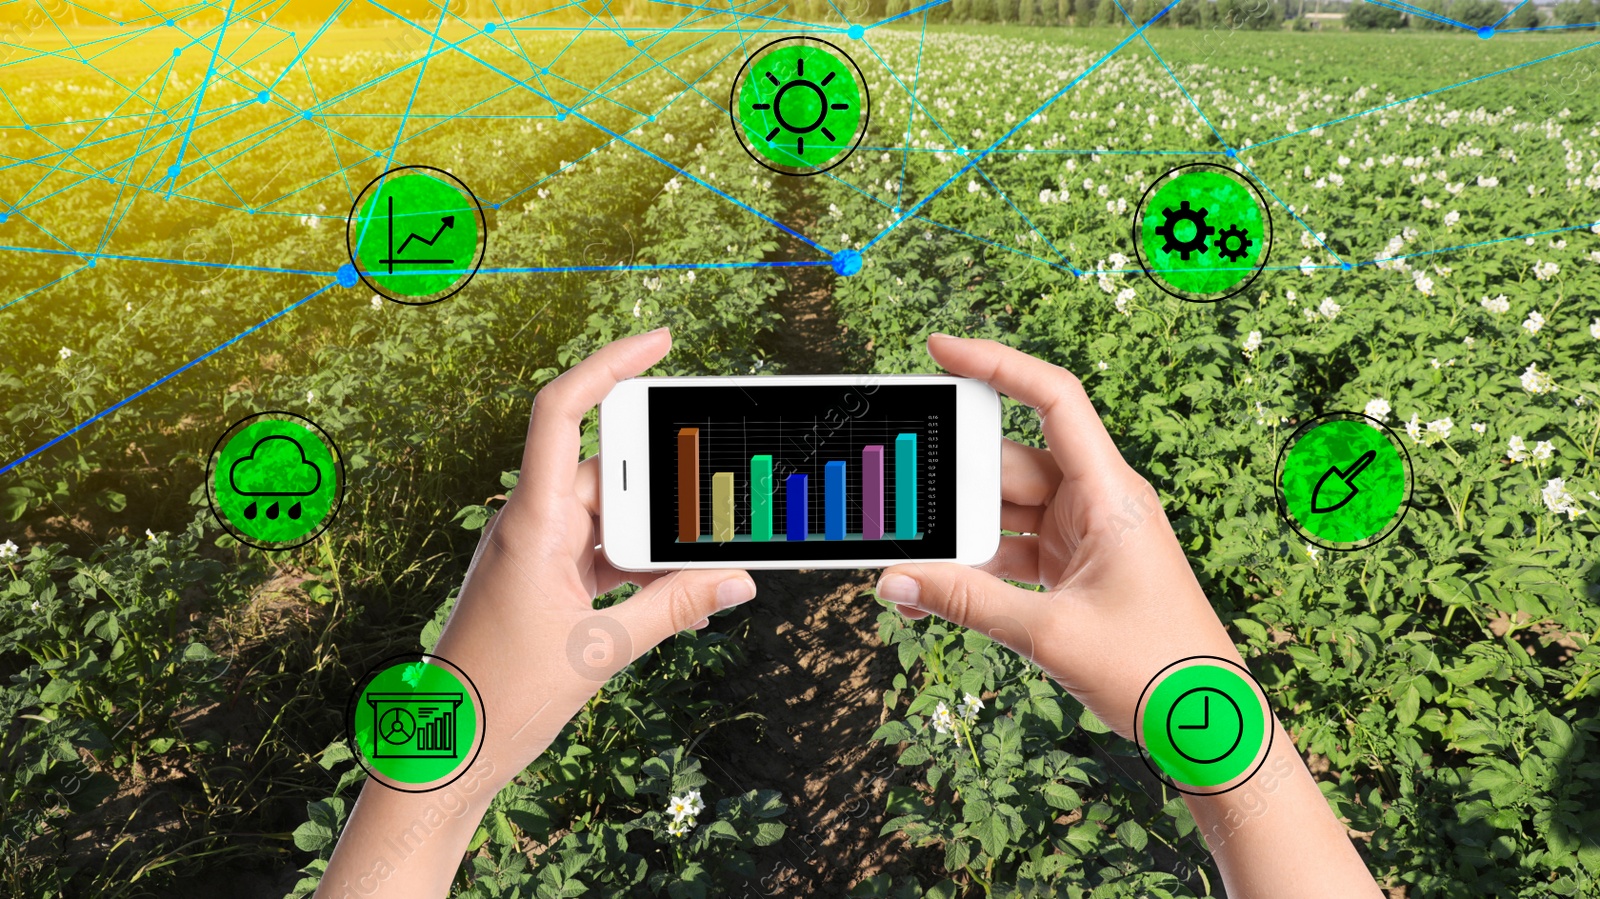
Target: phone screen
[[835, 472]]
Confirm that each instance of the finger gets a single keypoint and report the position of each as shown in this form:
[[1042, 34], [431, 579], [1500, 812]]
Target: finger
[[1022, 519], [1072, 428], [554, 440], [678, 599], [1029, 476], [1016, 560], [608, 577], [970, 598], [587, 486]]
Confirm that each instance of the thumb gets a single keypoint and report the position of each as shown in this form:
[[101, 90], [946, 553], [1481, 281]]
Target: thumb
[[968, 597], [678, 600]]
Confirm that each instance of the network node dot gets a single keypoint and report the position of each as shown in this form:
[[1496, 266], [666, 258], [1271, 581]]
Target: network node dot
[[347, 276], [630, 43], [1232, 153], [177, 51], [855, 32], [1486, 32], [1346, 266], [306, 115], [489, 28], [961, 151], [173, 170], [545, 70], [263, 97], [847, 262]]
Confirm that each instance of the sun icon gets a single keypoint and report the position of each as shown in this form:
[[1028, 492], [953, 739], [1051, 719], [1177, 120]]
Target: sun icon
[[803, 99], [799, 106]]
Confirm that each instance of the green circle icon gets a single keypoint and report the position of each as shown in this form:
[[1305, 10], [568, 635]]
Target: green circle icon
[[1202, 232], [415, 722], [416, 235], [800, 106], [1343, 481], [1204, 725], [274, 480]]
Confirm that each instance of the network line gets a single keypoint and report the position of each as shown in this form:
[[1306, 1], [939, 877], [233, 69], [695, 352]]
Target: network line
[[174, 125]]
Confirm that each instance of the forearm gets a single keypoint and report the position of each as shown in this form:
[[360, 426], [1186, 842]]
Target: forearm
[[400, 845], [1275, 836]]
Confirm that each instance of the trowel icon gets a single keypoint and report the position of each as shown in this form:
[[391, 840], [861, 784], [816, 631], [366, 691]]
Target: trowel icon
[[1330, 497]]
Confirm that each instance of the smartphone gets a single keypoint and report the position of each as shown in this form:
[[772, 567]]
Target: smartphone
[[826, 471]]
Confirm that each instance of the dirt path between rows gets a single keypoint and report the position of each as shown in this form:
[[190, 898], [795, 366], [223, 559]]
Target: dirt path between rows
[[815, 672]]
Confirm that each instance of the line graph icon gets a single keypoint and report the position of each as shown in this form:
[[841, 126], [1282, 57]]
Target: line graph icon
[[416, 235], [800, 106]]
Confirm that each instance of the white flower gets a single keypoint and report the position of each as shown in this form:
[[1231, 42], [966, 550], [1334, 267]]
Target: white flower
[[1414, 428], [1422, 282], [1252, 342], [636, 312], [1518, 451], [311, 396], [1451, 217], [1558, 500], [1102, 365], [1312, 551], [128, 306], [149, 534], [34, 606], [673, 183], [1490, 181], [1469, 340], [1440, 428], [1290, 295], [1309, 313], [943, 721], [377, 301], [1594, 329], [972, 187], [8, 550], [1533, 322], [1123, 297], [1544, 271], [1329, 308], [1498, 305], [1308, 266], [969, 707], [1535, 381], [1479, 427], [1544, 451], [679, 828], [64, 353], [1378, 408], [681, 807]]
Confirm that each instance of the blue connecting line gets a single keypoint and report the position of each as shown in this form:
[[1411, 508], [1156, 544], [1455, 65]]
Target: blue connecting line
[[653, 267], [211, 68], [1025, 119], [92, 257], [163, 379], [910, 12]]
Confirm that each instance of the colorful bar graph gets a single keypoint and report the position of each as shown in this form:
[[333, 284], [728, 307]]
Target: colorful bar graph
[[794, 507], [761, 498], [722, 506], [872, 493], [689, 484], [833, 475], [905, 486]]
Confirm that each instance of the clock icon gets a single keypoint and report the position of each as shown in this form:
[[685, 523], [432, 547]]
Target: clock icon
[[1205, 725]]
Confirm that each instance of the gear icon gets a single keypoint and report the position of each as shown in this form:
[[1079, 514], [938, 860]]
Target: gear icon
[[1168, 230], [1239, 250]]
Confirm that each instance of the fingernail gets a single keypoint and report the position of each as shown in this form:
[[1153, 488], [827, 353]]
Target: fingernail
[[939, 334], [734, 591], [899, 589]]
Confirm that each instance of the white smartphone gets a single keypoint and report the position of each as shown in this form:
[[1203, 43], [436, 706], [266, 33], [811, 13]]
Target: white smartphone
[[825, 471]]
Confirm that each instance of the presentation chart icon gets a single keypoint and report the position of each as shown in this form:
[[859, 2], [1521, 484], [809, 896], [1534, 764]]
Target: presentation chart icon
[[746, 501], [1343, 480], [800, 106], [274, 480], [1203, 725], [416, 235], [1202, 232], [415, 722]]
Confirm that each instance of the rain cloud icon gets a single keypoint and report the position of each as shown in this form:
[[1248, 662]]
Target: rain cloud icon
[[275, 466]]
